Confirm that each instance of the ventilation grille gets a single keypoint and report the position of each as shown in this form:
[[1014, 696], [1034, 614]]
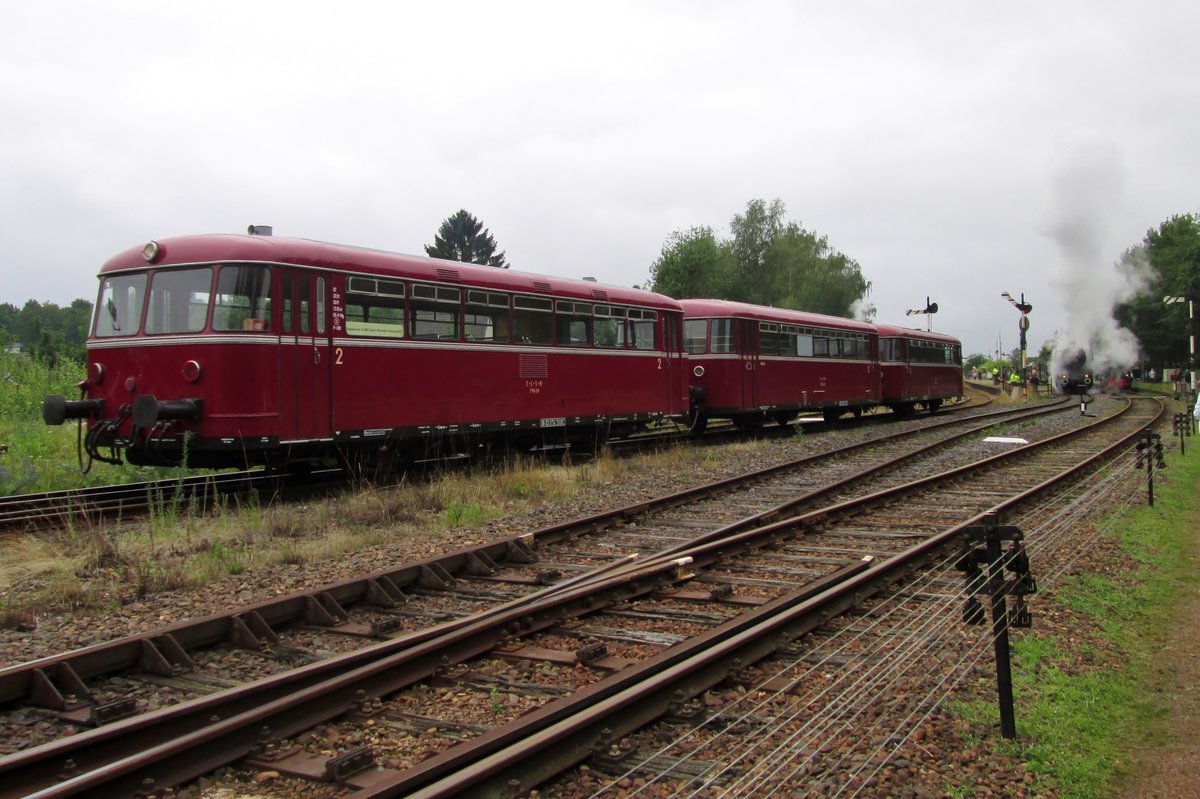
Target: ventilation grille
[[541, 285], [600, 294], [533, 367], [449, 275]]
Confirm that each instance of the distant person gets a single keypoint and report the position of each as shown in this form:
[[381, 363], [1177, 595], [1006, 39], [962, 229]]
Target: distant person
[[1153, 376], [1035, 381]]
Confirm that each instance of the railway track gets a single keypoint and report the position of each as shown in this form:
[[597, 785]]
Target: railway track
[[725, 594], [90, 506], [83, 506]]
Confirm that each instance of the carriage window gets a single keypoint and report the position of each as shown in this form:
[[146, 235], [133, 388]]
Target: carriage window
[[532, 320], [820, 346], [321, 305], [641, 330], [804, 344], [435, 312], [572, 323], [695, 335], [374, 307], [721, 338], [243, 299], [285, 317], [609, 326], [119, 310], [641, 335], [305, 301], [775, 339], [179, 301], [609, 332], [486, 318]]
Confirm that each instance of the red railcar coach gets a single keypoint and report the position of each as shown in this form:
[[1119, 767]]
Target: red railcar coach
[[750, 362], [919, 368], [221, 350]]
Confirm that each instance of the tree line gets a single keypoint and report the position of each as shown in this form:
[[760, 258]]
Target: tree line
[[767, 260], [46, 331], [1172, 251]]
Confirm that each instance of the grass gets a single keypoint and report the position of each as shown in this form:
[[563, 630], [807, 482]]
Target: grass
[[1085, 706], [177, 545], [40, 457]]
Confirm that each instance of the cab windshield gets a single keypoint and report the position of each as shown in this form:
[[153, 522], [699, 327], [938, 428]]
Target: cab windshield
[[119, 309], [180, 300]]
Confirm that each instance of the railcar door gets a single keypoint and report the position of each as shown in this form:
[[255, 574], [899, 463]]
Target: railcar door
[[747, 346], [672, 333], [306, 334]]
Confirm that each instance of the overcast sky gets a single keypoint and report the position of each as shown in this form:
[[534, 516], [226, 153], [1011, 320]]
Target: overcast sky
[[955, 150]]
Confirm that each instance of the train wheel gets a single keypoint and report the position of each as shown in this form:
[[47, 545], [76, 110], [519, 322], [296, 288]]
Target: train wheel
[[783, 418], [831, 414], [934, 405]]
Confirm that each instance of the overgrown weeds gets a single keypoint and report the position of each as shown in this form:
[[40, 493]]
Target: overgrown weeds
[[182, 544]]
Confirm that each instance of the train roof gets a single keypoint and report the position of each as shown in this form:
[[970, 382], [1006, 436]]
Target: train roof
[[695, 308], [896, 331], [244, 248]]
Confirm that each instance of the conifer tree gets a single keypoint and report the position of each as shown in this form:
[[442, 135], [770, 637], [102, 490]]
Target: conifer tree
[[462, 237]]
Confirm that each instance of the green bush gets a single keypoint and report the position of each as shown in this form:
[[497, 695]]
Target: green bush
[[40, 457]]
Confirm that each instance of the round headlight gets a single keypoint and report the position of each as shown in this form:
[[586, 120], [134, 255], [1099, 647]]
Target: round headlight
[[96, 372], [698, 371], [191, 371], [151, 252]]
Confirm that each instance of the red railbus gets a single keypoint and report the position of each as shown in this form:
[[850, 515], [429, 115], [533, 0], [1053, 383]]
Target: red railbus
[[919, 368], [750, 363], [223, 350]]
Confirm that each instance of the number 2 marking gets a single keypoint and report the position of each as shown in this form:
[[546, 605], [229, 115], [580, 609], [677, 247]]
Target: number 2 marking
[[337, 352]]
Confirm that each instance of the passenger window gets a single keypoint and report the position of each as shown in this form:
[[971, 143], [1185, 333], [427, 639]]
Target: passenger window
[[320, 306], [641, 335], [573, 322], [374, 307], [486, 317], [286, 315], [721, 338], [435, 312], [804, 344], [695, 335], [533, 321], [243, 299], [305, 302]]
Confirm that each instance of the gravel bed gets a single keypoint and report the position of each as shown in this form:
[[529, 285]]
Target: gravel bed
[[943, 751]]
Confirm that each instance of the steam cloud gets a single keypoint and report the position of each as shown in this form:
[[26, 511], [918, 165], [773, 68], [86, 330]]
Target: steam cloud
[[1087, 202], [862, 310]]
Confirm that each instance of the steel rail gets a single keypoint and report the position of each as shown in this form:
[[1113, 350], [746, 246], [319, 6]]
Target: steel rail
[[78, 504], [476, 769], [163, 651], [170, 760]]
